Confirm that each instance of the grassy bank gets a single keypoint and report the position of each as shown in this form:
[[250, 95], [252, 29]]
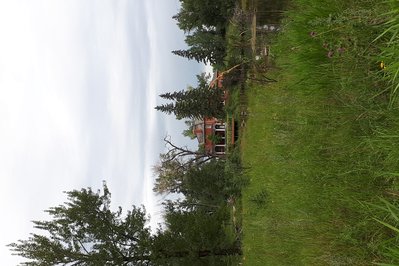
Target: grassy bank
[[321, 144]]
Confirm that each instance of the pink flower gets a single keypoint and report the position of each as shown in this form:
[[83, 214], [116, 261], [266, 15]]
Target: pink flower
[[330, 54], [312, 34]]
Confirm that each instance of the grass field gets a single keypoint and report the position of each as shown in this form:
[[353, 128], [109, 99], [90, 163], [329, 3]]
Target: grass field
[[320, 146]]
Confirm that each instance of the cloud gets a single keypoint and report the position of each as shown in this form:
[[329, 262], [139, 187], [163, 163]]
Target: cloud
[[73, 76], [78, 85]]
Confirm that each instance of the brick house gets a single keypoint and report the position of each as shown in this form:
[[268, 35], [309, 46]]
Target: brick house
[[211, 132]]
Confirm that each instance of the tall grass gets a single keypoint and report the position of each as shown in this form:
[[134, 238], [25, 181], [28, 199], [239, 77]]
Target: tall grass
[[322, 143], [390, 52], [390, 219]]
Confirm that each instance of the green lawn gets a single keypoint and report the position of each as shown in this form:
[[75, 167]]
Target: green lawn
[[321, 144], [307, 172]]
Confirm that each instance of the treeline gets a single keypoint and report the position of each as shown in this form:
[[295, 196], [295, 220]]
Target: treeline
[[199, 228], [85, 231], [199, 224]]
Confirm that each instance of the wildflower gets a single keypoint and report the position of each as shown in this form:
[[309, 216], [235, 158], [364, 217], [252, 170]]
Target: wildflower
[[312, 34], [330, 54], [382, 65]]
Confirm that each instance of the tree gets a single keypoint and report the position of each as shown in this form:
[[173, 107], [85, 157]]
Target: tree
[[197, 54], [208, 184], [207, 46], [190, 128], [84, 231], [170, 173], [196, 14], [194, 103], [204, 22], [206, 188], [199, 237], [175, 163]]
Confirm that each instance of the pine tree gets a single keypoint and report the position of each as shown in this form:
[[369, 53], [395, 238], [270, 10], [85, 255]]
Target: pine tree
[[192, 103], [84, 231], [195, 53]]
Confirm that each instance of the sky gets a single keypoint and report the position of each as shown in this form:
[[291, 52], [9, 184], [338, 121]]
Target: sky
[[78, 85]]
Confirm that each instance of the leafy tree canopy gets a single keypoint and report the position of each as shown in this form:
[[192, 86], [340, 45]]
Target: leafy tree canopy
[[84, 231]]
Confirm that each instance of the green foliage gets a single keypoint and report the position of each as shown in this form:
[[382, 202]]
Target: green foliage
[[389, 219], [206, 184], [203, 14], [199, 236], [84, 231], [192, 103], [215, 138], [322, 141], [206, 46], [237, 41], [189, 131], [204, 23], [259, 198], [197, 225], [388, 40]]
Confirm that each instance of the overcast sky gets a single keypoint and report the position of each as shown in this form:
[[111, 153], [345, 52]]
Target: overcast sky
[[79, 80]]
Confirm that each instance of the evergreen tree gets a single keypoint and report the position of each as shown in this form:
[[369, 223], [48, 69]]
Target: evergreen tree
[[204, 22], [196, 14], [206, 46], [198, 236], [172, 95], [198, 54], [189, 131], [192, 103], [84, 231]]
